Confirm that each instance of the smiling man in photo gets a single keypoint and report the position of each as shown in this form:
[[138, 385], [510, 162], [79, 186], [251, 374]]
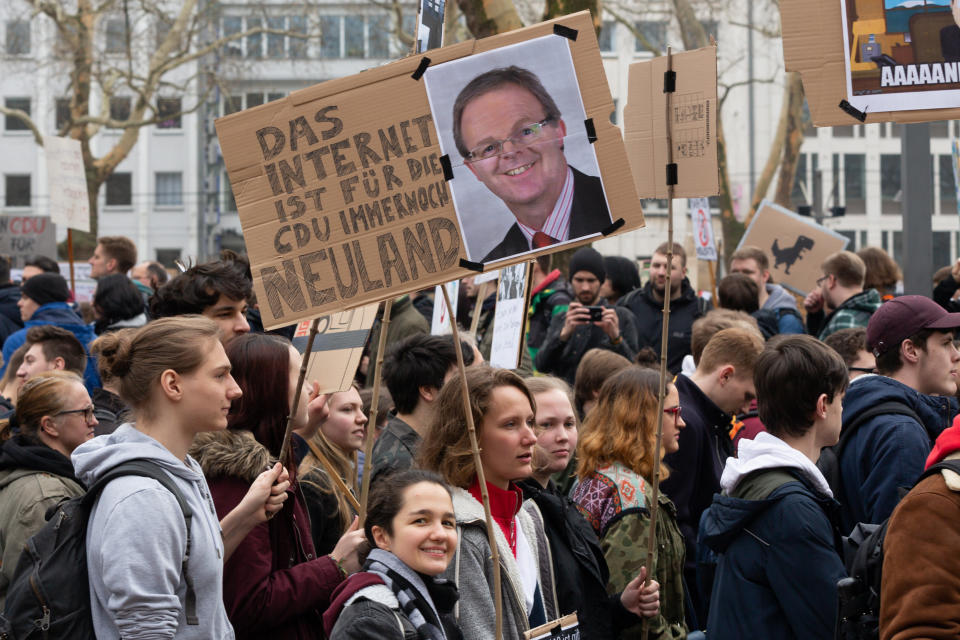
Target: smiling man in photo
[[511, 135]]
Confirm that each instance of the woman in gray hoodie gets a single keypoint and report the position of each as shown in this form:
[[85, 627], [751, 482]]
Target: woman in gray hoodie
[[176, 377]]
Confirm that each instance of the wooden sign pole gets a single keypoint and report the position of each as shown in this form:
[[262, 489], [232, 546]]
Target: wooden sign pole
[[285, 447], [73, 282], [374, 406], [475, 447], [477, 308], [665, 334]]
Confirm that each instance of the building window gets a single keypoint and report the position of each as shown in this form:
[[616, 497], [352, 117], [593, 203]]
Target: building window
[[655, 34], [17, 190], [255, 40], [845, 131], [18, 38], [353, 36], [940, 129], [941, 248], [254, 100], [948, 191], [232, 25], [275, 41], [798, 194], [116, 36], [298, 46], [232, 104], [163, 30], [168, 257], [12, 123], [379, 36], [330, 36], [854, 182], [607, 41], [119, 190], [275, 96], [890, 183], [63, 116], [168, 112], [120, 108], [169, 189]]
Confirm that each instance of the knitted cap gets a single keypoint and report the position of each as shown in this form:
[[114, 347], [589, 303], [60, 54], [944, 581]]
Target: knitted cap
[[46, 287], [588, 259]]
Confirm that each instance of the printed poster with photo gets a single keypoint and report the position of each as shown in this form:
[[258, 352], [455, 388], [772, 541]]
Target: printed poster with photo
[[525, 173], [901, 54], [508, 317]]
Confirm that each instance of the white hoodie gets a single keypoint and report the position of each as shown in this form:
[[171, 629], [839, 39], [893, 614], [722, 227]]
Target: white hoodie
[[767, 451], [136, 539]]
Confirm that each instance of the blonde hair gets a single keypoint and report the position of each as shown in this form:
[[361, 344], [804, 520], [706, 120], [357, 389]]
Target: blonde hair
[[735, 346], [623, 426], [546, 384], [42, 395]]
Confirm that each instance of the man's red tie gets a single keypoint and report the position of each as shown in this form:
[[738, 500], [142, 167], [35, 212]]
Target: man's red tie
[[541, 240]]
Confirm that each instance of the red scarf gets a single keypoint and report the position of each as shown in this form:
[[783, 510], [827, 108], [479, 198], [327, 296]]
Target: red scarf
[[504, 506], [948, 442]]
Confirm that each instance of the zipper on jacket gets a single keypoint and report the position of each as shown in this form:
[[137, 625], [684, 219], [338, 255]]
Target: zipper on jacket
[[44, 622]]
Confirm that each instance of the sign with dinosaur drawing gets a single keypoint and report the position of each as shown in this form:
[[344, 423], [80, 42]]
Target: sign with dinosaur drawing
[[796, 245]]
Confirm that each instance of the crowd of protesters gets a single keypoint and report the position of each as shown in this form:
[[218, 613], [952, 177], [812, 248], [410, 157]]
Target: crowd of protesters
[[756, 497]]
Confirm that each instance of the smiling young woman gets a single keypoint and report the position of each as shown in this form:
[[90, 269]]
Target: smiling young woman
[[504, 417], [413, 534]]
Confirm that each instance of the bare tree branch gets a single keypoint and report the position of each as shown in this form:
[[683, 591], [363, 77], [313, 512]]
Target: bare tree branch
[[25, 118]]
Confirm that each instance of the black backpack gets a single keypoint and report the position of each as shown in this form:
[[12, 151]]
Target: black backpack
[[858, 616], [49, 596], [829, 462]]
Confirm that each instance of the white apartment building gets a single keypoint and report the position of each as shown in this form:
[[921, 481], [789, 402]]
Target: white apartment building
[[172, 197]]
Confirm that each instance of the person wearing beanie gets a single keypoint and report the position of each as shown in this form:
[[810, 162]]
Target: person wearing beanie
[[622, 278], [589, 322], [685, 306], [43, 300]]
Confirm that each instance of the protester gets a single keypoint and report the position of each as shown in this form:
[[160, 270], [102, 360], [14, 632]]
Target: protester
[[851, 344], [721, 387], [622, 277], [51, 348], [912, 339], [715, 321], [549, 296], [54, 416], [275, 584], [574, 332], [778, 565], [176, 376], [150, 274], [117, 304], [738, 292], [685, 306], [10, 319], [412, 533], [574, 549], [112, 255], [596, 366], [504, 421], [215, 289], [384, 408], [754, 262], [10, 382], [109, 408], [414, 371], [43, 301], [840, 291], [405, 321], [36, 265], [338, 440], [882, 273], [920, 592], [618, 451]]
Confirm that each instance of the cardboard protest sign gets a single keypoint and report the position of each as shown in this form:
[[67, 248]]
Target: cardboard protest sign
[[703, 241], [694, 123], [796, 245], [342, 189], [519, 152], [892, 60], [566, 628], [337, 348], [508, 317], [430, 25], [24, 236], [440, 322], [67, 183]]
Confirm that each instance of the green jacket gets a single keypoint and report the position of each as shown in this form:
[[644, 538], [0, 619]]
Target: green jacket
[[853, 312], [616, 502]]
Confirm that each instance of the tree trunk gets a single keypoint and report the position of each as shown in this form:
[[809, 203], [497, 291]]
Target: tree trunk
[[557, 8], [793, 140], [490, 17]]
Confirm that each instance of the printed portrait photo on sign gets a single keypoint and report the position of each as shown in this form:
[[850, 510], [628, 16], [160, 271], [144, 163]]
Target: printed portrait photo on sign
[[525, 175], [902, 54]]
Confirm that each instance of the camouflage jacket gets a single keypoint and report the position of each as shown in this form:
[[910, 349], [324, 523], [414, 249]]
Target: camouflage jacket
[[395, 449], [615, 501]]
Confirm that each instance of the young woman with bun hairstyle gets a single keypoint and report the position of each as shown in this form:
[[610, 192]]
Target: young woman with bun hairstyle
[[274, 584], [504, 419], [399, 595], [176, 377], [574, 548], [616, 463], [54, 416]]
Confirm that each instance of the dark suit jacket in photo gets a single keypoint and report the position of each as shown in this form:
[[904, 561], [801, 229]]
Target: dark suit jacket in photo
[[588, 215]]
